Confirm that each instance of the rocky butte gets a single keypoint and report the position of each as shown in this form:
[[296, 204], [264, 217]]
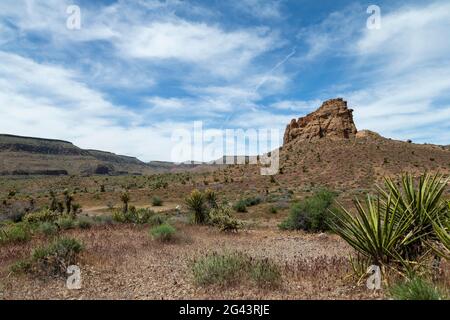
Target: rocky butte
[[333, 120]]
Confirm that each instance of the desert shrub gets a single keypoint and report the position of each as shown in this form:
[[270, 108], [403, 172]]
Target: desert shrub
[[45, 215], [104, 220], [415, 289], [55, 257], [196, 203], [156, 201], [387, 230], [311, 214], [15, 232], [47, 228], [21, 266], [273, 210], [240, 206], [231, 268], [265, 274], [253, 201], [222, 218], [156, 220], [142, 216], [84, 222], [66, 222], [222, 269], [138, 216], [163, 233]]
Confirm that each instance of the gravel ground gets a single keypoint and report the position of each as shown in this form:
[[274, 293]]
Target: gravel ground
[[122, 262]]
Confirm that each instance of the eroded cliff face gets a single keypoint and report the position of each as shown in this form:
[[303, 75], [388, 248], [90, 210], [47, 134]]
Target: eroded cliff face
[[332, 120]]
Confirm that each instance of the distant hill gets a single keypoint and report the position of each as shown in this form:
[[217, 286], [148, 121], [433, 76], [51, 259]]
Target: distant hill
[[37, 156]]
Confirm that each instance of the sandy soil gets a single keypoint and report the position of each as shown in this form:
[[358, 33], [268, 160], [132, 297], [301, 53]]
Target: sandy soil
[[122, 262]]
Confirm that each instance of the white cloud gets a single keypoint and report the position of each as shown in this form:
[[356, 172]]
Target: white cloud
[[48, 101], [209, 47], [408, 85], [409, 37]]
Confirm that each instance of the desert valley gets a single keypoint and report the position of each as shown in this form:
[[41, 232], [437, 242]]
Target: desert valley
[[162, 230]]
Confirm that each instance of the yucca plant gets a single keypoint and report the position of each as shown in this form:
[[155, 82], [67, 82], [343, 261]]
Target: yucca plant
[[442, 232], [424, 201], [211, 198], [400, 224], [196, 203], [376, 232]]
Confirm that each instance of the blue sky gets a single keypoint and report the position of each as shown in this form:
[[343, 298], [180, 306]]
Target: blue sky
[[138, 70]]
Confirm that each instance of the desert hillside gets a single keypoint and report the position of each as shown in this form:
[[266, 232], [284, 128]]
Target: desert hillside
[[325, 148]]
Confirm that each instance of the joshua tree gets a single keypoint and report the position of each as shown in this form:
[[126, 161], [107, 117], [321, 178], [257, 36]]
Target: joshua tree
[[68, 198], [54, 201], [76, 208], [60, 207], [125, 198]]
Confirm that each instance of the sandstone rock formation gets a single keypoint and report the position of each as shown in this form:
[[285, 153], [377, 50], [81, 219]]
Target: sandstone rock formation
[[333, 120]]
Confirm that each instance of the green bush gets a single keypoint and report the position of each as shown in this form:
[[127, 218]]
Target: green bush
[[415, 289], [15, 232], [84, 222], [47, 228], [56, 257], [103, 219], [221, 217], [66, 222], [21, 266], [240, 206], [253, 201], [51, 259], [156, 220], [156, 201], [119, 216], [231, 268], [138, 216], [222, 269], [44, 215], [311, 214], [163, 233]]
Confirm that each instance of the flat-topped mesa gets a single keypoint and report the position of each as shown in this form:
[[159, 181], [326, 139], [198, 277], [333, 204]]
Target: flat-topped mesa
[[333, 120]]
